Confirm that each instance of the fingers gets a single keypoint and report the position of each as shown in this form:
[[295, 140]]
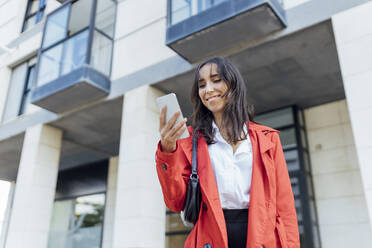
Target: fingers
[[176, 129], [162, 118], [179, 132], [166, 127], [172, 120]]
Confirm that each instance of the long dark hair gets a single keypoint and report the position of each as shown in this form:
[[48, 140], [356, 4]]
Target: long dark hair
[[237, 110]]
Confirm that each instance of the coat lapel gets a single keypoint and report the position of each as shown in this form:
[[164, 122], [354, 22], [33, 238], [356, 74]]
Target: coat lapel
[[265, 144], [207, 181], [209, 187]]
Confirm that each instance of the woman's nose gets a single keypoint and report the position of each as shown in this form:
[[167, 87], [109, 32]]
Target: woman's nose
[[208, 87]]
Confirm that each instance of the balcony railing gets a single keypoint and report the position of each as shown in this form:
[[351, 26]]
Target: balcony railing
[[200, 28], [77, 35]]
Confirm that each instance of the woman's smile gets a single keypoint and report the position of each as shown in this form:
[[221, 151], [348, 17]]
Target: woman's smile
[[212, 98]]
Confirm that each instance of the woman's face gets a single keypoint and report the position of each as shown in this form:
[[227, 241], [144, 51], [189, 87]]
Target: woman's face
[[211, 89]]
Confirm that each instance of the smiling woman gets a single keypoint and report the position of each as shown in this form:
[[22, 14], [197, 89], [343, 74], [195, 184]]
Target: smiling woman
[[219, 94], [247, 199]]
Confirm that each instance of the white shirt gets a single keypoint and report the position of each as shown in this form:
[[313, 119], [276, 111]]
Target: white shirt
[[233, 171]]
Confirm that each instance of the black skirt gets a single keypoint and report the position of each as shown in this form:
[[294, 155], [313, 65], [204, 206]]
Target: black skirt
[[236, 225]]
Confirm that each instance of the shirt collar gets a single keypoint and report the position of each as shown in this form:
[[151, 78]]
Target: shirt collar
[[218, 137]]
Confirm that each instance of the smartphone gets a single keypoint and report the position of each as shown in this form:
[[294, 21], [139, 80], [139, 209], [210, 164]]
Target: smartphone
[[171, 102]]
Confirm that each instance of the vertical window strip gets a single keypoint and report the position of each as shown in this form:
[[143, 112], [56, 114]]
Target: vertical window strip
[[27, 89]]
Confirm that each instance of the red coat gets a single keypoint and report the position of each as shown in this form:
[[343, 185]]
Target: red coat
[[272, 221]]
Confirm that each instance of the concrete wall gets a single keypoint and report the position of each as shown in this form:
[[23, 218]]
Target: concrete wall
[[22, 46], [11, 16], [353, 35], [288, 4], [139, 222], [340, 200], [140, 36], [6, 195]]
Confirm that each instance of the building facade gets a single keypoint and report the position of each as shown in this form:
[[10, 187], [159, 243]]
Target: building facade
[[79, 121]]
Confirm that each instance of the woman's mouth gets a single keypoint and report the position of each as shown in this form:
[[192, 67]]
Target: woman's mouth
[[212, 98]]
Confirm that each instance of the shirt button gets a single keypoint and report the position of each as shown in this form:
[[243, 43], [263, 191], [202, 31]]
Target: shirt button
[[164, 166]]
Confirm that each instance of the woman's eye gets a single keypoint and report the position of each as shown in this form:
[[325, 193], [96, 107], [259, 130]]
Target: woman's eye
[[217, 80], [201, 86]]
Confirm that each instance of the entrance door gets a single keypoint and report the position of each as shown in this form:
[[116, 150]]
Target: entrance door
[[77, 222]]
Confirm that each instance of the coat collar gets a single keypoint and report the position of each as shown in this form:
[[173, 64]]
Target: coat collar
[[264, 140]]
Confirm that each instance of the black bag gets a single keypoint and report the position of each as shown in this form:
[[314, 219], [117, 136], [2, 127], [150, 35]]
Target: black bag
[[193, 193]]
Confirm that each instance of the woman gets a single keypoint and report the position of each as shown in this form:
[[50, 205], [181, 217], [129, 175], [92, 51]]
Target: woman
[[247, 199]]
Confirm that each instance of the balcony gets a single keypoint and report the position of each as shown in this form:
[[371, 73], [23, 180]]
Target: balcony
[[197, 29], [74, 61]]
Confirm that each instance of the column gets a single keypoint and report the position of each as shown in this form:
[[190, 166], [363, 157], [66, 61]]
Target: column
[[110, 202], [5, 75], [35, 188], [353, 34], [139, 210], [9, 202]]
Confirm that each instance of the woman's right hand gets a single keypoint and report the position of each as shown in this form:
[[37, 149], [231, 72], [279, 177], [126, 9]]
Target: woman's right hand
[[169, 132]]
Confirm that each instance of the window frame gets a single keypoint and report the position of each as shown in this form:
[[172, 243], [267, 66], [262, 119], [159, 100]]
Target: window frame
[[39, 13], [27, 88]]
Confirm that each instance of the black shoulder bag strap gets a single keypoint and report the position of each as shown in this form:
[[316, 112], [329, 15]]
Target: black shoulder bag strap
[[193, 194]]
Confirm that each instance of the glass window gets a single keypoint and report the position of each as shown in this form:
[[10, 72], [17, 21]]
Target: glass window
[[75, 51], [298, 206], [63, 58], [277, 119], [29, 23], [63, 211], [306, 161], [288, 138], [295, 186], [105, 16], [50, 65], [204, 4], [309, 185], [292, 160], [303, 138], [80, 16], [77, 223], [175, 241], [56, 27], [34, 6], [34, 13], [101, 53], [300, 115], [176, 232], [26, 98], [181, 10]]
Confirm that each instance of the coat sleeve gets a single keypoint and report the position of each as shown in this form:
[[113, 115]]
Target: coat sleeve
[[173, 171], [285, 205]]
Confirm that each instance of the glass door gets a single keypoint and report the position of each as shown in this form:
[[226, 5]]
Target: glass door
[[77, 222]]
